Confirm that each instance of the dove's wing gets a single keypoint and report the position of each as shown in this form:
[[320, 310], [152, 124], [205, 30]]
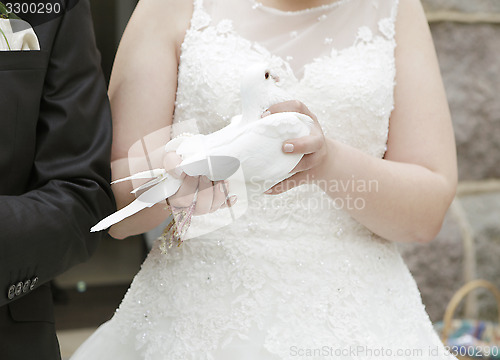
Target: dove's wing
[[142, 175], [216, 168], [273, 130], [149, 184], [287, 125], [191, 146], [280, 126], [157, 193], [258, 146], [160, 192], [197, 153]]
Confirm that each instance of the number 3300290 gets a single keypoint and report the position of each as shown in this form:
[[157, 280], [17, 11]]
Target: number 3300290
[[32, 8]]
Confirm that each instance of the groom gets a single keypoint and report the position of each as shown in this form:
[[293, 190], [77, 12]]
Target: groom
[[55, 140]]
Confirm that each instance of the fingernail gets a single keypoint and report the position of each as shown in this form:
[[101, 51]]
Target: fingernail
[[221, 188], [266, 113], [288, 148], [232, 200], [270, 191]]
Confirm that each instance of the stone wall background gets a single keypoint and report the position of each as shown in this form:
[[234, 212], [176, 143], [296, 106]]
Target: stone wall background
[[467, 39]]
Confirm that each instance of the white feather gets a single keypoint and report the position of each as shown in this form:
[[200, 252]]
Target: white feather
[[142, 175]]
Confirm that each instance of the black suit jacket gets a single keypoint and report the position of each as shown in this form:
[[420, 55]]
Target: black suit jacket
[[55, 137]]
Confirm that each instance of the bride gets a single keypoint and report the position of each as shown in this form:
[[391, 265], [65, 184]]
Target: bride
[[311, 269]]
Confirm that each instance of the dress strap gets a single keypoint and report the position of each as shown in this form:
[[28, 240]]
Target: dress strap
[[394, 10], [198, 4], [387, 25], [200, 18]]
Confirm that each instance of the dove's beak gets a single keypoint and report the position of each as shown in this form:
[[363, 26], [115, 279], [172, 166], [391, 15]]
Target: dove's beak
[[275, 77]]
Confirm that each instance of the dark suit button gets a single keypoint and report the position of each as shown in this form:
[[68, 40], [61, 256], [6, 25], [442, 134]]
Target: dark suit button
[[33, 283], [26, 286], [19, 288], [12, 292]]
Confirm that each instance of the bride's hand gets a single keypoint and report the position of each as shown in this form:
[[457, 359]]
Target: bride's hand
[[312, 146], [210, 195]]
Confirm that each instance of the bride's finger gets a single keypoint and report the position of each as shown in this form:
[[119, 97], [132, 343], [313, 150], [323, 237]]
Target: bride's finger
[[219, 196], [185, 195], [304, 145], [205, 196]]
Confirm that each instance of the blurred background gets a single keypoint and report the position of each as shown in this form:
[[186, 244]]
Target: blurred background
[[467, 38]]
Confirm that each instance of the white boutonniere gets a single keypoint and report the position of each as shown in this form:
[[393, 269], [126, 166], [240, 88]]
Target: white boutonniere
[[15, 33]]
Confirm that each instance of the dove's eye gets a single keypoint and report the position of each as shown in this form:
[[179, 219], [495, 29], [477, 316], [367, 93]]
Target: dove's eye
[[267, 75]]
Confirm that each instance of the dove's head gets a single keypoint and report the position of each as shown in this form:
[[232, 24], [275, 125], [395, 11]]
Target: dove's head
[[259, 90]]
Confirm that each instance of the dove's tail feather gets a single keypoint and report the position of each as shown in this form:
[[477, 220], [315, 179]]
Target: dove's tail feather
[[129, 210], [148, 184], [142, 175], [159, 192]]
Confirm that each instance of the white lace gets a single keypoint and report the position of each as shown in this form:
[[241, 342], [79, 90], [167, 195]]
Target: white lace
[[294, 272]]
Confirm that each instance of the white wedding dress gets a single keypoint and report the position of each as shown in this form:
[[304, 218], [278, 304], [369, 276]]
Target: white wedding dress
[[294, 277]]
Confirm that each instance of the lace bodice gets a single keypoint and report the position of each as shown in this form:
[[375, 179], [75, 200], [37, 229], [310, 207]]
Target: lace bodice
[[293, 270], [347, 82], [344, 51]]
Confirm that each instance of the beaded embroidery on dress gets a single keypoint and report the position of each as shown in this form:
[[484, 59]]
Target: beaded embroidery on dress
[[295, 276]]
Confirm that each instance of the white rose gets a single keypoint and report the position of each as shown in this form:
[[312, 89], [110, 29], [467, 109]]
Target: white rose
[[10, 39]]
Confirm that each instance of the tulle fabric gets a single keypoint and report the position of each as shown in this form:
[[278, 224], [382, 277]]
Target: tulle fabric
[[299, 37]]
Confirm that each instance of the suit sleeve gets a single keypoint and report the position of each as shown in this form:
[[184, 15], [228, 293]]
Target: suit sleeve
[[46, 230]]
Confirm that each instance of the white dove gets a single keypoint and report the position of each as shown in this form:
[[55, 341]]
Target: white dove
[[253, 142]]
